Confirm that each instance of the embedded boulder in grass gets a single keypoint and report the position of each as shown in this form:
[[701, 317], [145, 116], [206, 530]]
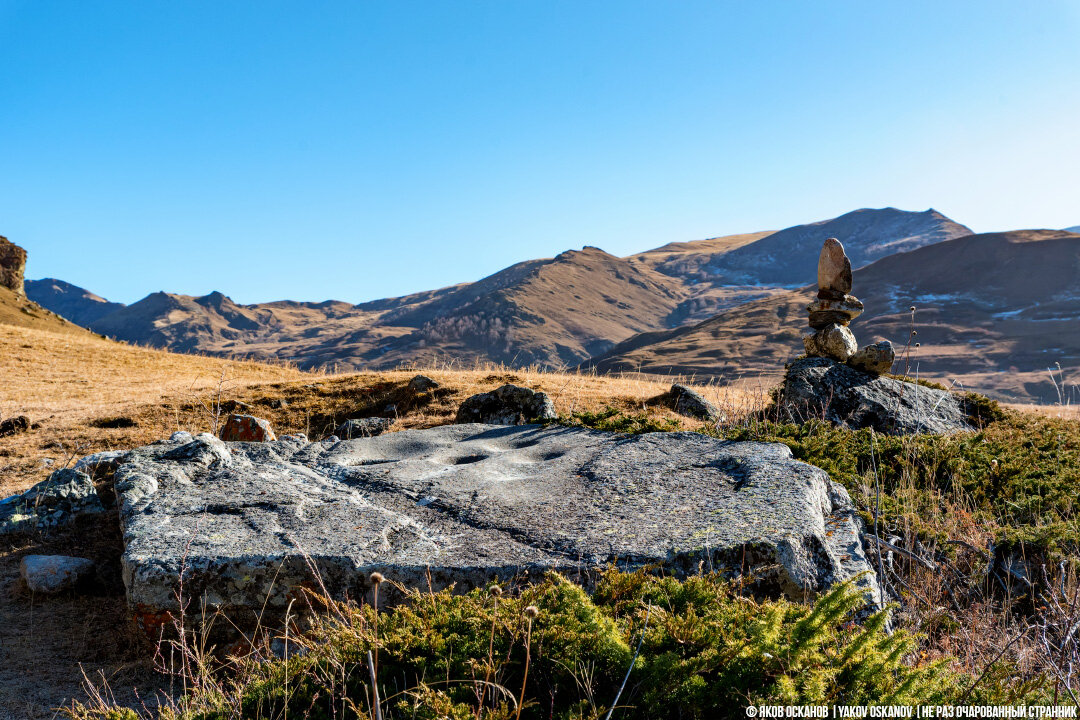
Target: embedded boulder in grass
[[691, 403], [507, 405], [818, 388], [462, 505], [363, 427], [247, 428], [422, 383]]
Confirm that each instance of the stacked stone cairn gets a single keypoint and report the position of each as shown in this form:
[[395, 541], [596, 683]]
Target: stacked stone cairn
[[832, 312]]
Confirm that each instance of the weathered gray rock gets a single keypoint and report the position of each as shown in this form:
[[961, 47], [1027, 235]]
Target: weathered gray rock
[[818, 388], [422, 383], [693, 404], [51, 574], [834, 268], [56, 502], [465, 504], [876, 359], [12, 266], [835, 342], [507, 405], [363, 427]]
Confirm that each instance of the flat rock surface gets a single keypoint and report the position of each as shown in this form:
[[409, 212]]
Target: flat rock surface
[[819, 388], [468, 503]]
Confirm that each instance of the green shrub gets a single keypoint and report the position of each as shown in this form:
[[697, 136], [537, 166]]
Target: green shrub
[[704, 651]]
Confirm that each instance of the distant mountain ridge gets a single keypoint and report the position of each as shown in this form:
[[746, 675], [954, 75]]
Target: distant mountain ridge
[[553, 312], [993, 311]]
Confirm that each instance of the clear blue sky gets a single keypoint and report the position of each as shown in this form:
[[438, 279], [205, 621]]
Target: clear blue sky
[[356, 150]]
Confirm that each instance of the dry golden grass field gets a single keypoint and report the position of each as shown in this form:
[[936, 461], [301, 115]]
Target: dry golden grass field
[[85, 394]]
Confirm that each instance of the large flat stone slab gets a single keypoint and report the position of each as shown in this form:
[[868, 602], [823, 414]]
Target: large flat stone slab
[[250, 523]]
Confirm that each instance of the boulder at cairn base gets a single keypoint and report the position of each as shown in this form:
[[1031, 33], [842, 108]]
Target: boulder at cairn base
[[833, 341], [821, 389], [465, 504], [247, 428], [507, 405], [876, 359]]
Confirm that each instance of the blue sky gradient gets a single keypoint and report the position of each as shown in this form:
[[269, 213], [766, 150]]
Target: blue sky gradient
[[358, 150]]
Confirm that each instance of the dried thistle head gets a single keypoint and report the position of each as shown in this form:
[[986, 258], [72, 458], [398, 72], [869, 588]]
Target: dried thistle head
[[532, 611], [375, 578], [495, 590]]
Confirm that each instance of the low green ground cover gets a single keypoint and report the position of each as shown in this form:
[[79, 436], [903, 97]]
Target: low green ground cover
[[551, 650]]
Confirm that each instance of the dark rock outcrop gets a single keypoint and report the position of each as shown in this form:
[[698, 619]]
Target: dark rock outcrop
[[465, 504], [14, 425], [12, 266], [820, 388], [507, 405]]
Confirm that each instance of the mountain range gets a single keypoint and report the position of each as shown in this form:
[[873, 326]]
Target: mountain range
[[718, 307]]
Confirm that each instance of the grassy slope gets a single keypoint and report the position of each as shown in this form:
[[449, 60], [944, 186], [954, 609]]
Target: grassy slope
[[1011, 482]]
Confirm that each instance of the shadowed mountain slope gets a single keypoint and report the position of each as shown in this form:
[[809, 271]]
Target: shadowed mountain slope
[[80, 306]]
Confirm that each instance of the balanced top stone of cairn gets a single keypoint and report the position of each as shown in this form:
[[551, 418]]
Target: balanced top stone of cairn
[[833, 311]]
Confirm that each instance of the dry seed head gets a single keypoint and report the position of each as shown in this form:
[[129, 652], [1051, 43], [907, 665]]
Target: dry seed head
[[496, 590], [532, 611], [375, 578], [912, 308]]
